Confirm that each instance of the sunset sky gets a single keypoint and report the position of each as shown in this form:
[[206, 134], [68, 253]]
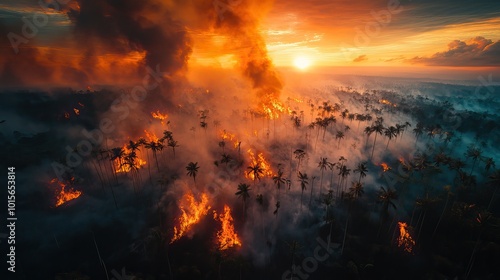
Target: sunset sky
[[424, 35]]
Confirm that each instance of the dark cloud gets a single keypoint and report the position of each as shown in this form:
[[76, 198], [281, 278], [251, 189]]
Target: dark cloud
[[474, 52]]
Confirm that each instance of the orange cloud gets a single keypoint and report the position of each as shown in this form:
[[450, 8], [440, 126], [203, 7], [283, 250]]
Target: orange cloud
[[477, 51]]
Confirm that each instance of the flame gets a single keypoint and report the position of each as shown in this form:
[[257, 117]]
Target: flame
[[273, 108], [227, 136], [159, 116], [66, 115], [81, 104], [261, 160], [65, 195], [385, 167], [226, 237], [126, 168], [405, 240], [192, 212], [151, 136], [77, 112], [384, 101]]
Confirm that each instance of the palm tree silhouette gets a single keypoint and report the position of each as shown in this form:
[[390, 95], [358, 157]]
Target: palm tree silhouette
[[323, 164], [418, 130], [339, 136], [390, 133], [475, 154], [361, 169], [192, 170], [303, 185], [377, 128], [386, 196], [256, 170], [299, 155], [243, 192], [173, 144], [279, 180]]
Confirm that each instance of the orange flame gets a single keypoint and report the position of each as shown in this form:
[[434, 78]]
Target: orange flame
[[66, 115], [65, 195], [126, 168], [405, 240], [385, 167], [151, 136], [226, 237], [262, 162], [274, 108], [159, 116], [77, 112], [192, 212]]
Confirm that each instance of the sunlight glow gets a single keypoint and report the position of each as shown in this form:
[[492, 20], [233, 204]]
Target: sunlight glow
[[302, 62]]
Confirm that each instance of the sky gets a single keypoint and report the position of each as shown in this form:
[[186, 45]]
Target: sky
[[92, 41]]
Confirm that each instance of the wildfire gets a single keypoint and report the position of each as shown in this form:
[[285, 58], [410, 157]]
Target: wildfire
[[262, 162], [119, 167], [159, 116], [405, 240], [77, 112], [151, 136], [385, 167], [192, 212], [274, 108], [65, 195], [226, 237]]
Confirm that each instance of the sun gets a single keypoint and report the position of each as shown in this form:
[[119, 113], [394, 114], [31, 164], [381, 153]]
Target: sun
[[302, 62]]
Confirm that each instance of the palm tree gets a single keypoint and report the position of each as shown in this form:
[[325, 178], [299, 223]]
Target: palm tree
[[299, 155], [192, 170], [488, 163], [173, 144], [279, 180], [117, 154], [256, 170], [339, 136], [361, 169], [378, 128], [243, 192], [418, 130], [447, 189], [303, 185], [356, 190], [312, 188], [331, 166], [323, 163], [390, 132], [225, 159], [386, 196], [344, 173], [475, 154]]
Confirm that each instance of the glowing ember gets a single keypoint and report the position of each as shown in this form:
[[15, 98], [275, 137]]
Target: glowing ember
[[65, 195], [66, 115], [383, 101], [404, 240], [192, 212], [385, 167], [151, 137], [226, 237], [81, 104], [262, 162], [77, 112], [159, 116]]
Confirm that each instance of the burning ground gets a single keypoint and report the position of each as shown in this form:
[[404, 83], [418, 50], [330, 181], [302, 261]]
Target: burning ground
[[196, 189]]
